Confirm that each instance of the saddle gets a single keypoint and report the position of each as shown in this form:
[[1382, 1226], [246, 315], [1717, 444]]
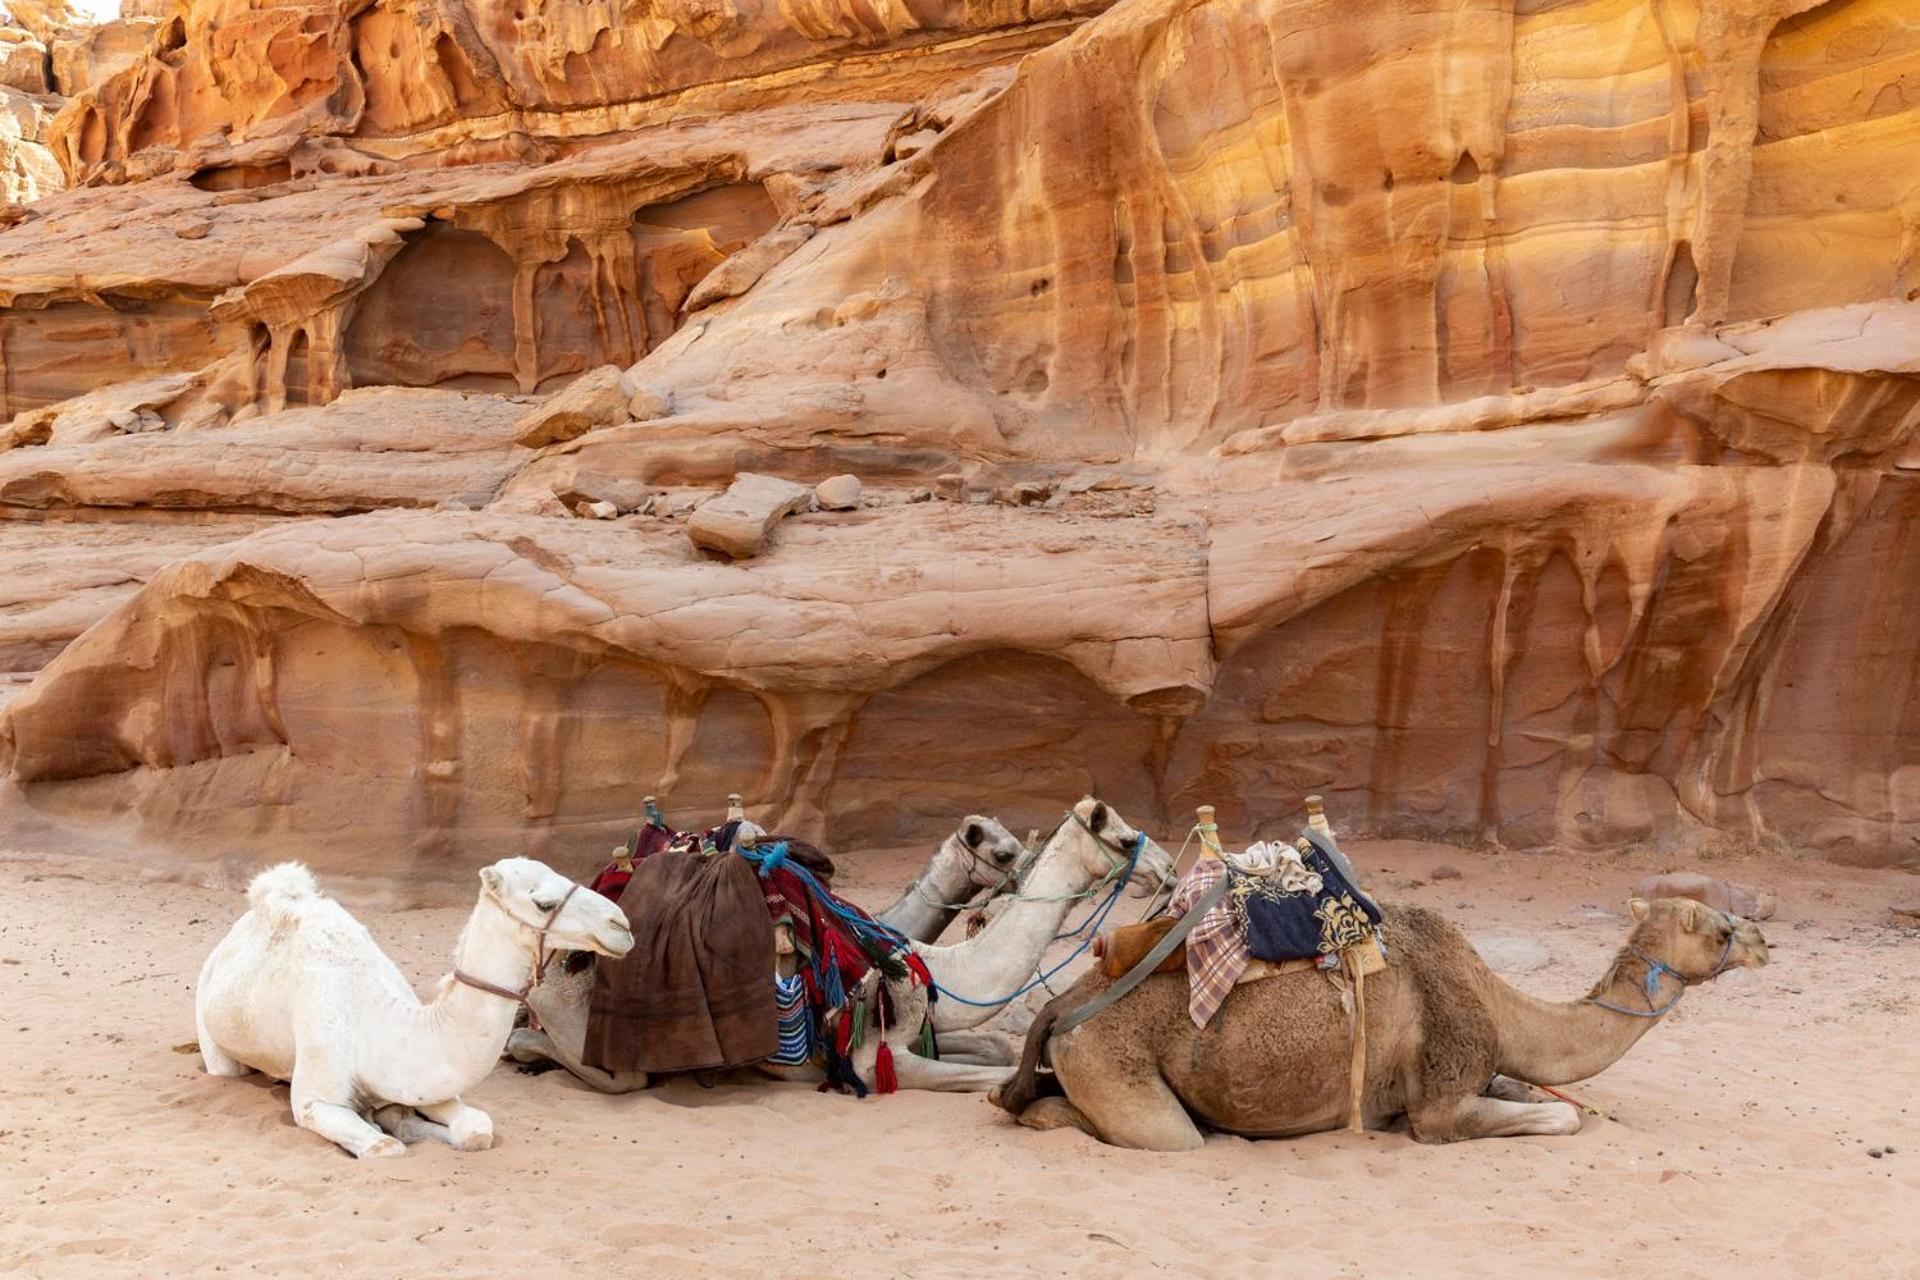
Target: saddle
[[1121, 948]]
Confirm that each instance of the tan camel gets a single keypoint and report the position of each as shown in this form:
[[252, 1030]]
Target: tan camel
[[1440, 1024]]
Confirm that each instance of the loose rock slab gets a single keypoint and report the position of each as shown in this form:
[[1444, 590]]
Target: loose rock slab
[[737, 523], [594, 399]]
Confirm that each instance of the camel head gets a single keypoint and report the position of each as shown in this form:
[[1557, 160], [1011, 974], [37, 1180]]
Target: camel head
[[1102, 835], [1696, 940], [989, 850], [530, 892]]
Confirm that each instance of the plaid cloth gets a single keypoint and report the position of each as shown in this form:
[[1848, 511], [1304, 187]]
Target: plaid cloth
[[1216, 949]]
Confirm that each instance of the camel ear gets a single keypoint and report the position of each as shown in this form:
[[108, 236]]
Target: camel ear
[[492, 881], [973, 835], [1637, 908], [1097, 821]]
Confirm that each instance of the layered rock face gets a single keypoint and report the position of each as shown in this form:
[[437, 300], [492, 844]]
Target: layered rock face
[[1499, 417]]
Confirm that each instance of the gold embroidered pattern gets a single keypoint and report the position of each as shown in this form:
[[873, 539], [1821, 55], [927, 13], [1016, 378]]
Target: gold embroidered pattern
[[1342, 923]]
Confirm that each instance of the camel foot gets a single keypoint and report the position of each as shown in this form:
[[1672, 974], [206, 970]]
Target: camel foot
[[1483, 1117], [383, 1148], [530, 1048], [1057, 1113]]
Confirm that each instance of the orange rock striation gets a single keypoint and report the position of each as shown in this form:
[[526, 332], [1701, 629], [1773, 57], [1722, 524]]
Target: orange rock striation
[[1499, 417]]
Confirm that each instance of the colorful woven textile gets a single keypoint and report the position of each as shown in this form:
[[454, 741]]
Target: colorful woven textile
[[796, 1021], [1293, 917]]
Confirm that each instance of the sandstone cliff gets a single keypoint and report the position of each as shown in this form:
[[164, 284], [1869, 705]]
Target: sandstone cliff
[[1497, 416]]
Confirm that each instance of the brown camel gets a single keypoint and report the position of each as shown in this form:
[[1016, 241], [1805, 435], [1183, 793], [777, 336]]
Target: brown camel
[[1440, 1025]]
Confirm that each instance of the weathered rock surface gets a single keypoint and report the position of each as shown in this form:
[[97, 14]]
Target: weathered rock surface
[[737, 523], [1500, 419]]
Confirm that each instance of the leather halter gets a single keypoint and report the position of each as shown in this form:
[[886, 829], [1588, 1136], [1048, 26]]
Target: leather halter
[[540, 958]]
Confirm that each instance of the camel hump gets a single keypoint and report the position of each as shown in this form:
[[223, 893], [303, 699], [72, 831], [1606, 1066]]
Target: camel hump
[[278, 891]]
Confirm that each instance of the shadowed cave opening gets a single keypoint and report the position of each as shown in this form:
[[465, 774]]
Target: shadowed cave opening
[[441, 314]]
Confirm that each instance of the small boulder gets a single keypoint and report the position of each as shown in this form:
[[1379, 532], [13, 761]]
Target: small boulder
[[1721, 895], [837, 493], [736, 523], [1030, 493], [597, 486], [600, 510], [1447, 871], [649, 402], [920, 495], [594, 399]]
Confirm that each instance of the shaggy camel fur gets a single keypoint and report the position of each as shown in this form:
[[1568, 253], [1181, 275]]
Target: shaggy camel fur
[[1440, 1024], [298, 990], [1081, 854]]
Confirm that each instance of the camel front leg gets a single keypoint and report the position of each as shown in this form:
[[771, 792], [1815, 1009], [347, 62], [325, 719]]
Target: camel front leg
[[939, 1076], [341, 1124], [1482, 1117], [526, 1045], [468, 1128], [980, 1048], [408, 1125]]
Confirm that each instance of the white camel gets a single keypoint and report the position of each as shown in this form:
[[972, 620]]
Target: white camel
[[298, 990], [1091, 853]]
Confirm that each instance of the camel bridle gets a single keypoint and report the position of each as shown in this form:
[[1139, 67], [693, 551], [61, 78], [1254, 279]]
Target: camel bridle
[[541, 956], [1659, 969]]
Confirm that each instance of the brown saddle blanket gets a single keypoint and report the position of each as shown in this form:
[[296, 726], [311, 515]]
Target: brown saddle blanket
[[696, 991]]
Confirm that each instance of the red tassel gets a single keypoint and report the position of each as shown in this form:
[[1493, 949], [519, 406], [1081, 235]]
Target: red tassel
[[884, 1081]]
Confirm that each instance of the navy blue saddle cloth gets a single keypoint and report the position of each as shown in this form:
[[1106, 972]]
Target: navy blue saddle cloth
[[1297, 926]]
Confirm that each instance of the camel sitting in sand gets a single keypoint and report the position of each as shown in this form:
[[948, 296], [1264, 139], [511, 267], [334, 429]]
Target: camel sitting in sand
[[981, 855], [299, 990], [1087, 855], [1440, 1024]]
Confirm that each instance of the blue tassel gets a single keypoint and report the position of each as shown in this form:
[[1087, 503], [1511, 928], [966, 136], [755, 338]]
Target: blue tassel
[[830, 985], [772, 858]]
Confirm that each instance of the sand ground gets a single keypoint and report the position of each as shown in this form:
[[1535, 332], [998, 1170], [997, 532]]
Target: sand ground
[[1736, 1140]]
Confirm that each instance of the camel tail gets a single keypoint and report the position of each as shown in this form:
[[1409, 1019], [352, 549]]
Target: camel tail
[[277, 892]]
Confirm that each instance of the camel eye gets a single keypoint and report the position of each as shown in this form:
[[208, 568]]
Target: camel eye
[[1003, 856], [546, 904]]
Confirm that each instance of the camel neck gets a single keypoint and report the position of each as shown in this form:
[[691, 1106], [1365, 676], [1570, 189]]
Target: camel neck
[[1001, 957], [1552, 1042], [922, 912], [463, 1028]]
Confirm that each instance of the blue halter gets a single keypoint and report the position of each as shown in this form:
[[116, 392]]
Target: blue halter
[[1657, 969]]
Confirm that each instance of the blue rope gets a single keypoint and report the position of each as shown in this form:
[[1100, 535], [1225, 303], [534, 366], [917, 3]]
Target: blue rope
[[1097, 918], [773, 857]]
